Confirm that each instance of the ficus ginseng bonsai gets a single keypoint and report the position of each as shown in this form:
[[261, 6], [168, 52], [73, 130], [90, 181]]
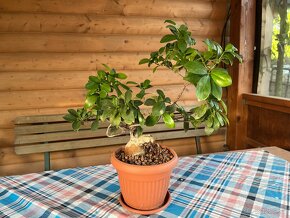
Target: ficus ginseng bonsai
[[110, 99]]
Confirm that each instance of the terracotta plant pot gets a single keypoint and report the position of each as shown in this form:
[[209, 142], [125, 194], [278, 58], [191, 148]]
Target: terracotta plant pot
[[144, 187]]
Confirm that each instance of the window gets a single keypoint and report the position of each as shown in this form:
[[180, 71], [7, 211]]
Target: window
[[273, 67]]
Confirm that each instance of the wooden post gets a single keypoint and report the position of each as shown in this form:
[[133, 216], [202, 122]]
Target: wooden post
[[242, 35]]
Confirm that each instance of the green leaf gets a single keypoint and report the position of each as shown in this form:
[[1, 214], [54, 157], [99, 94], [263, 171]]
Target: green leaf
[[106, 87], [95, 125], [76, 125], [141, 118], [168, 38], [128, 96], [115, 120], [220, 118], [73, 112], [94, 79], [151, 120], [181, 45], [139, 131], [90, 101], [170, 21], [107, 67], [170, 108], [137, 103], [121, 76], [149, 102], [167, 100], [102, 74], [91, 85], [192, 78], [128, 116], [144, 61], [70, 118], [200, 111], [158, 108], [103, 94], [141, 94], [169, 122], [221, 77], [231, 48], [132, 82], [216, 90], [195, 67], [216, 123], [208, 130], [224, 106], [161, 93], [203, 88]]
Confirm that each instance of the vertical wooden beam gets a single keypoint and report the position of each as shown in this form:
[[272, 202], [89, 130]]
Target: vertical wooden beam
[[242, 35]]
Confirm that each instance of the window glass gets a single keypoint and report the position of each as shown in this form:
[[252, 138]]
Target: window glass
[[274, 66]]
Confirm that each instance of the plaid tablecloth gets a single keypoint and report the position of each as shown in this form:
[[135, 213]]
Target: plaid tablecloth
[[239, 184]]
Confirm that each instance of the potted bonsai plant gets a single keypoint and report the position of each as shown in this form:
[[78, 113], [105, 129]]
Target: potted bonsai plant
[[143, 166]]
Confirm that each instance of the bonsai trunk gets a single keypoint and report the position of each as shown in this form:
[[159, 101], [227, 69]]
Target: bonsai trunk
[[134, 145]]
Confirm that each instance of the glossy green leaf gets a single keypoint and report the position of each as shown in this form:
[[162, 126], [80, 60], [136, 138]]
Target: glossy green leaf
[[149, 102], [76, 125], [216, 90], [208, 130], [168, 38], [195, 67], [144, 61], [121, 75], [220, 119], [200, 111], [221, 77], [192, 78], [73, 112], [106, 87], [69, 118], [161, 93], [102, 74], [169, 122], [158, 108], [90, 101], [224, 106], [151, 120], [170, 21], [181, 45], [94, 79], [132, 82], [128, 96], [103, 94], [95, 125], [203, 88]]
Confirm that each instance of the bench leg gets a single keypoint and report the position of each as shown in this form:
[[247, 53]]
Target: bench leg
[[46, 161], [197, 145]]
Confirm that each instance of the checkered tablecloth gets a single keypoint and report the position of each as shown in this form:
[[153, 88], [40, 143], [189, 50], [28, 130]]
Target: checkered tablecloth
[[238, 184]]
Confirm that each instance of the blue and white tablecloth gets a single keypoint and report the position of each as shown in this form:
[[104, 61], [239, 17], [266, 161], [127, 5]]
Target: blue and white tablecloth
[[238, 184]]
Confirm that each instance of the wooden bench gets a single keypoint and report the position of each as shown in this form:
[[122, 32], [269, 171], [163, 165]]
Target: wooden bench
[[49, 133]]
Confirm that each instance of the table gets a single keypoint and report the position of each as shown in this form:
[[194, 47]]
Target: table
[[233, 184]]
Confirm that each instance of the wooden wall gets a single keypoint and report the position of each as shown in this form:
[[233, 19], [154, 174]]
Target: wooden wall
[[48, 48], [267, 121]]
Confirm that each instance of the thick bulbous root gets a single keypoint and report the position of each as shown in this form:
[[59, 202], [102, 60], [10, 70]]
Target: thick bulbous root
[[134, 146]]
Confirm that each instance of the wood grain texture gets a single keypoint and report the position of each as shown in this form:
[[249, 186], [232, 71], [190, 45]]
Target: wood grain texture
[[50, 42], [48, 48], [50, 80], [74, 97], [94, 24], [182, 8], [242, 34], [267, 121]]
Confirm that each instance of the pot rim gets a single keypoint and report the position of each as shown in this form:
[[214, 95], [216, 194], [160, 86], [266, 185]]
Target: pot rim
[[120, 165]]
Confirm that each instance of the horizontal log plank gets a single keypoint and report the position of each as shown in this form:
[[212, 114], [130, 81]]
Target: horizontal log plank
[[161, 8], [72, 98], [8, 116], [51, 42], [69, 134], [49, 80], [70, 61], [91, 23], [40, 148], [8, 156]]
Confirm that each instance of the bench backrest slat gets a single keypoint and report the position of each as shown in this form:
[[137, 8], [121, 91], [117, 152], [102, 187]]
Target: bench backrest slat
[[89, 143]]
